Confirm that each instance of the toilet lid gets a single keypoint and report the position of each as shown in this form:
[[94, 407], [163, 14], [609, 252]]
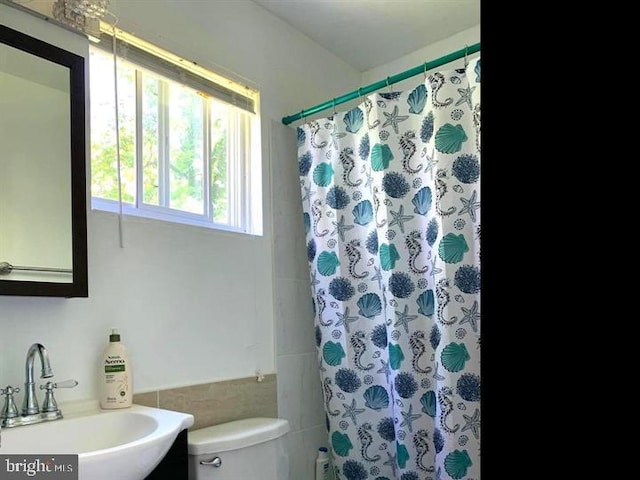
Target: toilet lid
[[236, 434]]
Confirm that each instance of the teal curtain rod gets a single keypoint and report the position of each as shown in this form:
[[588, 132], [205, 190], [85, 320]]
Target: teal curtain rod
[[383, 83]]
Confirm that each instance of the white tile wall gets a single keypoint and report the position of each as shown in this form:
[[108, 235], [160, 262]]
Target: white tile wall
[[294, 318], [299, 388], [303, 448], [290, 247]]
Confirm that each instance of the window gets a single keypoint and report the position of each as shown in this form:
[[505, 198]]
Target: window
[[189, 139]]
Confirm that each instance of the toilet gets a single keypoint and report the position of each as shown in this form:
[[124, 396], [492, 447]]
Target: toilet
[[252, 448]]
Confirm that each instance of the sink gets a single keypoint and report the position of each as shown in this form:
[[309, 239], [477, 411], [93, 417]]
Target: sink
[[123, 444]]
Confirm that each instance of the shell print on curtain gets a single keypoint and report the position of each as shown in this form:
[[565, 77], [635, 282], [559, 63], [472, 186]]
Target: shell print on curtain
[[391, 203]]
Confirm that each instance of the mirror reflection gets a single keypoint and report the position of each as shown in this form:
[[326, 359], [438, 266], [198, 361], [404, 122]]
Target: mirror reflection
[[35, 178], [42, 168]]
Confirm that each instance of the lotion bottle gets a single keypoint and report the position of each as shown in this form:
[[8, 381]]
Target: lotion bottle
[[322, 464], [116, 382]]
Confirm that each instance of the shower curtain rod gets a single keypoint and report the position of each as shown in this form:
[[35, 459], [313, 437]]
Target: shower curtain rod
[[423, 67]]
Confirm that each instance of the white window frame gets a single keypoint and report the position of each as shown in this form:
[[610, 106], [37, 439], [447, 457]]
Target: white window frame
[[244, 184]]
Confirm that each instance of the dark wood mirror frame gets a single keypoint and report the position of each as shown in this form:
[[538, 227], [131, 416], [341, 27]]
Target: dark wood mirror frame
[[78, 287]]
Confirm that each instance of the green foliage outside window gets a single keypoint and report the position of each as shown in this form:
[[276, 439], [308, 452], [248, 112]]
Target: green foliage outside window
[[183, 128]]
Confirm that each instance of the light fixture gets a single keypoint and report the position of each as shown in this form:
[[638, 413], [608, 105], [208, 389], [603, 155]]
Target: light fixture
[[88, 8], [83, 15]]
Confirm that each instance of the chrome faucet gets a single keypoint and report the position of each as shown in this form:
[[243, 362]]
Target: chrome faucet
[[31, 413], [30, 402]]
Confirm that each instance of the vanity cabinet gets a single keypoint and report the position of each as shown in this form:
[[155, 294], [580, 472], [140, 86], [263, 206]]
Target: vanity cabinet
[[175, 464]]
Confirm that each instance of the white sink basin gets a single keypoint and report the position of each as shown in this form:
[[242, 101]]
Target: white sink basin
[[123, 444]]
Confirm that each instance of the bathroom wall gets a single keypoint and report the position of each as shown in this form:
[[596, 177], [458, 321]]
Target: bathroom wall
[[300, 398], [196, 307], [218, 402], [193, 305], [428, 53]]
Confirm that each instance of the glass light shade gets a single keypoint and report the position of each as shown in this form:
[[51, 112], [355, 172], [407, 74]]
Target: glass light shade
[[88, 8]]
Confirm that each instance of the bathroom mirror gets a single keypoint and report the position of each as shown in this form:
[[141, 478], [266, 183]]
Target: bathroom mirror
[[43, 223]]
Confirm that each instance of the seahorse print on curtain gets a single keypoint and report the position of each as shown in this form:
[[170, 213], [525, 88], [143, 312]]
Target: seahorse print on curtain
[[391, 203]]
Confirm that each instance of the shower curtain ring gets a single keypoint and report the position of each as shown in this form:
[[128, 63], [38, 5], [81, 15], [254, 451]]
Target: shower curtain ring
[[388, 86], [425, 70], [466, 61], [359, 94]]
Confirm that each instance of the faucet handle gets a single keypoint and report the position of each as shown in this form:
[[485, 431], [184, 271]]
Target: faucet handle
[[9, 390], [64, 384], [49, 404], [9, 410]]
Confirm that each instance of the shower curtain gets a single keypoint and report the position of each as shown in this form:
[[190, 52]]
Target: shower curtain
[[391, 202]]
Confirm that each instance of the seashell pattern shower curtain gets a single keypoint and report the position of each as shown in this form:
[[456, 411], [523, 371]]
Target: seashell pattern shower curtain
[[391, 201]]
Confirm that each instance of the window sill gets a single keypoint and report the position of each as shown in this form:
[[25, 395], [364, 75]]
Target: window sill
[[181, 218]]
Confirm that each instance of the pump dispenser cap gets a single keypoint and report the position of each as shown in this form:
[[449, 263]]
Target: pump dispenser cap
[[115, 336]]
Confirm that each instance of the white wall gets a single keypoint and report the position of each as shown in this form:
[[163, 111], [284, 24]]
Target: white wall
[[455, 42], [428, 53], [193, 305]]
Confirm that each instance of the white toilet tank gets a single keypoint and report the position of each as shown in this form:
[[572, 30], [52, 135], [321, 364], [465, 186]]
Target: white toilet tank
[[252, 448]]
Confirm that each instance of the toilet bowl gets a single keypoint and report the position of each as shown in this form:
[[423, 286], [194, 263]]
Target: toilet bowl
[[252, 448]]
